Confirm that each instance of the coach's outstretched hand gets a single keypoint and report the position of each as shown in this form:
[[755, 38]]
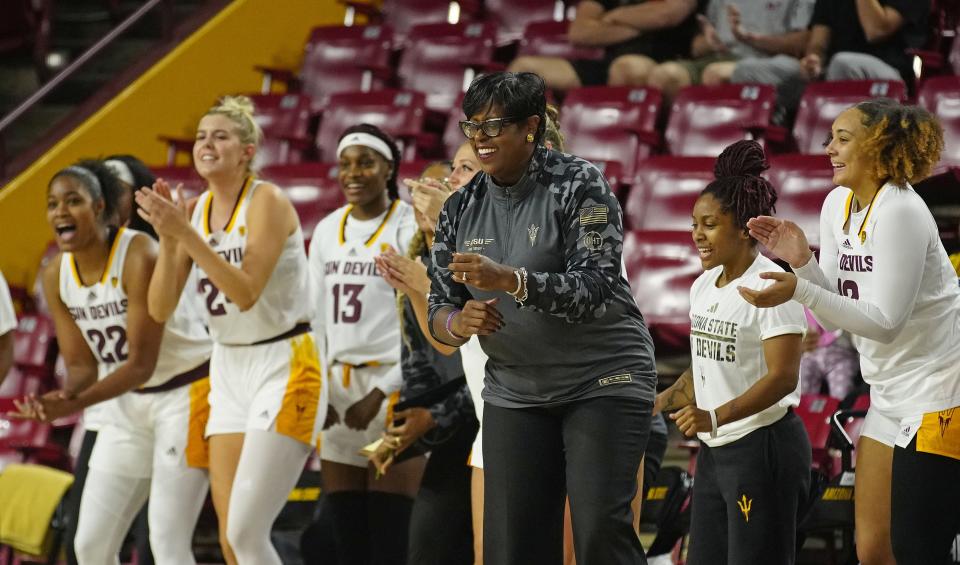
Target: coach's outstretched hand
[[783, 238]]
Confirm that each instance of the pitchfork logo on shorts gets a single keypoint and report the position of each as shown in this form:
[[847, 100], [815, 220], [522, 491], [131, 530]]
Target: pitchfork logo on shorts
[[945, 416], [745, 504]]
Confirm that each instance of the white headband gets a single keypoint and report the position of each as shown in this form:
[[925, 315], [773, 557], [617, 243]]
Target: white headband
[[366, 140], [121, 170]]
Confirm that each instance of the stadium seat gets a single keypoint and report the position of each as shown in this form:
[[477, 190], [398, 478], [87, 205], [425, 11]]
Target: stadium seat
[[453, 136], [611, 123], [512, 16], [313, 188], [941, 96], [442, 59], [405, 14], [338, 59], [285, 121], [802, 182], [33, 341], [706, 119], [192, 183], [815, 411], [822, 102], [664, 191], [400, 113], [661, 266], [549, 39], [409, 170]]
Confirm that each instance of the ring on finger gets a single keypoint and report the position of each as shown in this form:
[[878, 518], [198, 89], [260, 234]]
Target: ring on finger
[[464, 275]]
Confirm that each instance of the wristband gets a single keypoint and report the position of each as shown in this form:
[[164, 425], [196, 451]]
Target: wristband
[[713, 423], [450, 316]]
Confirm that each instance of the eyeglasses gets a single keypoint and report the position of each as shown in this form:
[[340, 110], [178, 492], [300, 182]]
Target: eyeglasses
[[491, 128]]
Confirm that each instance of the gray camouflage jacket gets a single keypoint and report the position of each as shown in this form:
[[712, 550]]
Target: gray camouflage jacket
[[579, 334]]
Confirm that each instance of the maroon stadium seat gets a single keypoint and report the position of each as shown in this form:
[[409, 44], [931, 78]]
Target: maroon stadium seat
[[512, 16], [611, 123], [661, 266], [32, 343], [313, 188], [410, 170], [442, 59], [549, 39], [802, 182], [941, 96], [706, 119], [822, 102], [664, 191], [405, 14], [453, 136], [815, 411], [340, 59], [285, 121], [193, 184], [400, 113]]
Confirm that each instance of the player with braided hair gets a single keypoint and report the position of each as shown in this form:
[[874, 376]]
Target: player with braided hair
[[884, 276], [754, 459]]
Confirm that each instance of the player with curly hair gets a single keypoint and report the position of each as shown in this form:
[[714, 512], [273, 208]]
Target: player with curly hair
[[883, 275]]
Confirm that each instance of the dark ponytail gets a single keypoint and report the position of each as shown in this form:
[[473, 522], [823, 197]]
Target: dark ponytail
[[741, 190]]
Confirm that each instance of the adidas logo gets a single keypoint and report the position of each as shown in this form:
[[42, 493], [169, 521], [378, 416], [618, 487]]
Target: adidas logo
[[172, 452], [92, 296], [846, 244], [713, 309], [265, 414], [353, 252]]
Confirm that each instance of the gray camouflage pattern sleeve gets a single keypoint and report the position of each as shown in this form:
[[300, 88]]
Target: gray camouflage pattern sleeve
[[593, 245], [443, 290]]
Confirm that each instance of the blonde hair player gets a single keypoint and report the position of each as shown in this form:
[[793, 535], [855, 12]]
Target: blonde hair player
[[143, 385], [884, 276], [357, 315], [244, 243]]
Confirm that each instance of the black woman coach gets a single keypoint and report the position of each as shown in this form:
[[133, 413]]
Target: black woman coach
[[527, 256]]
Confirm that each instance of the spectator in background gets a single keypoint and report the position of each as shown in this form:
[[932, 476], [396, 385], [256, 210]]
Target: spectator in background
[[827, 356], [635, 35], [849, 39], [8, 323], [730, 31]]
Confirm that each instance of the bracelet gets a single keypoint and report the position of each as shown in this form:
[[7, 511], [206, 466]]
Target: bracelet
[[713, 423], [521, 275], [450, 316]]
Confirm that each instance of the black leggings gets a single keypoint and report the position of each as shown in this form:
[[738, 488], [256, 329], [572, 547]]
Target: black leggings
[[924, 506], [589, 449], [441, 530]]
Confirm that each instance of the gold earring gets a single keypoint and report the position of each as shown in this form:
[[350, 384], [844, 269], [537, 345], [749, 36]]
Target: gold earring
[[529, 138]]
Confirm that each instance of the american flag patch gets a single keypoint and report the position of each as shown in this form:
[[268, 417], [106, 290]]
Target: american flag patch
[[593, 215]]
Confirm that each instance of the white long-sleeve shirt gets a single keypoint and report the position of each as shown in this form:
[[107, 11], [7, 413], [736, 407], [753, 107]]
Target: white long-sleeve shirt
[[886, 279]]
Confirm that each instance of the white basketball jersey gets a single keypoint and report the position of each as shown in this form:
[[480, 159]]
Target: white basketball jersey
[[285, 300], [918, 371], [100, 311], [357, 307]]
